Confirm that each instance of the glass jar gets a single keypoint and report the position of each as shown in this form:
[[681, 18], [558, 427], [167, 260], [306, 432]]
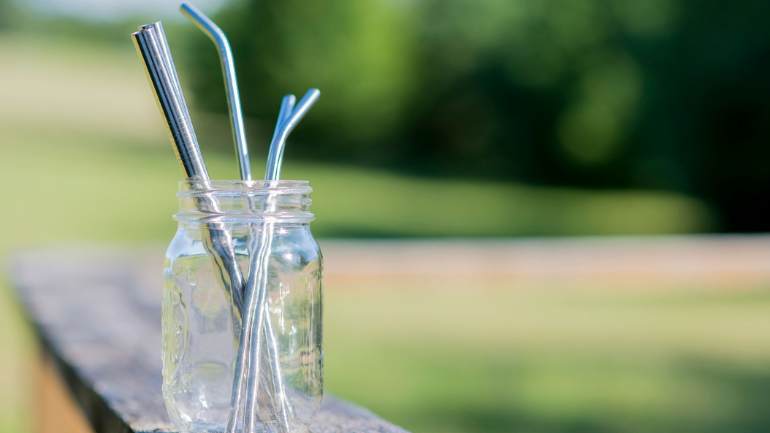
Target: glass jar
[[242, 309]]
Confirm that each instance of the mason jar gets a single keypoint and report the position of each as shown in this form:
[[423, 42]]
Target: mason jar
[[242, 309]]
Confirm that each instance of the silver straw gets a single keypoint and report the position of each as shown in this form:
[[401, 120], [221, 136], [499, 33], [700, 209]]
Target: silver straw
[[150, 43], [287, 107], [152, 47], [231, 83], [251, 357], [278, 143], [289, 118], [242, 366], [279, 390]]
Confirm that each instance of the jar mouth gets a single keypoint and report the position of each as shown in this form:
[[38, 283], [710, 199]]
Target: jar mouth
[[195, 187], [240, 201]]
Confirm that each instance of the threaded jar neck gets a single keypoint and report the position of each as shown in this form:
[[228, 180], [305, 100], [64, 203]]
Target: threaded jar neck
[[238, 201]]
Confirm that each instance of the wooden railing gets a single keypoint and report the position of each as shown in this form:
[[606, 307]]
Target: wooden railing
[[97, 317]]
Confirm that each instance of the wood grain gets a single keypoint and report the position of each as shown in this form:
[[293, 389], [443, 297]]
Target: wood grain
[[97, 315]]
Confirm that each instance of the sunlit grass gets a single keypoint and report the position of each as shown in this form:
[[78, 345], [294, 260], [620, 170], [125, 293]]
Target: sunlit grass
[[105, 188], [520, 359]]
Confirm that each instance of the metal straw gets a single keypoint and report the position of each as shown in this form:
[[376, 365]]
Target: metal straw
[[282, 131], [150, 44], [279, 390], [234, 105], [289, 118], [231, 83], [228, 69], [242, 365], [152, 47], [287, 107], [236, 117]]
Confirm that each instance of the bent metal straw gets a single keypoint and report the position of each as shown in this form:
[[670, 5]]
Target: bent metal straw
[[217, 36], [242, 369], [288, 118], [257, 287]]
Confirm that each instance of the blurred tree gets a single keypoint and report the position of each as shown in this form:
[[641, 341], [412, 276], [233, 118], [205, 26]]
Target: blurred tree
[[6, 13], [357, 53], [667, 94]]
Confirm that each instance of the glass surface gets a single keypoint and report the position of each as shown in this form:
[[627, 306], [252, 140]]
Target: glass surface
[[202, 323]]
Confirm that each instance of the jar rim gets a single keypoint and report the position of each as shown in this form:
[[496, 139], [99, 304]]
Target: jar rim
[[196, 187]]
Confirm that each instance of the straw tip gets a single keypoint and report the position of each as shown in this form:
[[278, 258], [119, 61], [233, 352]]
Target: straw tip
[[312, 95], [145, 27]]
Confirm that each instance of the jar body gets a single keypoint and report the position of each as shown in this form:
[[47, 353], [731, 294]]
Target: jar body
[[203, 326]]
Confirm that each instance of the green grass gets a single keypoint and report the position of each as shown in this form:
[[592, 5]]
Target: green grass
[[79, 133], [112, 188], [83, 159], [523, 360]]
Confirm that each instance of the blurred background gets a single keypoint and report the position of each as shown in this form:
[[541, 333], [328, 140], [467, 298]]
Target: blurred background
[[482, 120]]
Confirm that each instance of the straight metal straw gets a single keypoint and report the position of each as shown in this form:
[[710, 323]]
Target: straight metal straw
[[152, 47], [231, 83]]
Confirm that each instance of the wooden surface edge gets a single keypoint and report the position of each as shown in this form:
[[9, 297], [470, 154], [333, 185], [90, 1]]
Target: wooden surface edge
[[342, 416], [97, 411]]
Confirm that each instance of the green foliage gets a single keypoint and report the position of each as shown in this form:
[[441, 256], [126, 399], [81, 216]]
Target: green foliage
[[7, 14], [119, 151], [600, 93], [358, 53]]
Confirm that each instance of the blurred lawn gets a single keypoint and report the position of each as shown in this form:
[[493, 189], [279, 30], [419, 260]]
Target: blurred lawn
[[80, 134], [82, 158], [446, 359], [522, 359]]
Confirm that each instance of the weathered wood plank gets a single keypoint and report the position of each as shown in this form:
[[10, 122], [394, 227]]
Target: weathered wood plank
[[97, 314]]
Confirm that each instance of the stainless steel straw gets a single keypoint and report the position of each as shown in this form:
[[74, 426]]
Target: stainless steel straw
[[152, 47], [150, 44], [287, 107], [282, 404], [282, 131], [231, 83], [256, 288], [236, 116], [255, 314]]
